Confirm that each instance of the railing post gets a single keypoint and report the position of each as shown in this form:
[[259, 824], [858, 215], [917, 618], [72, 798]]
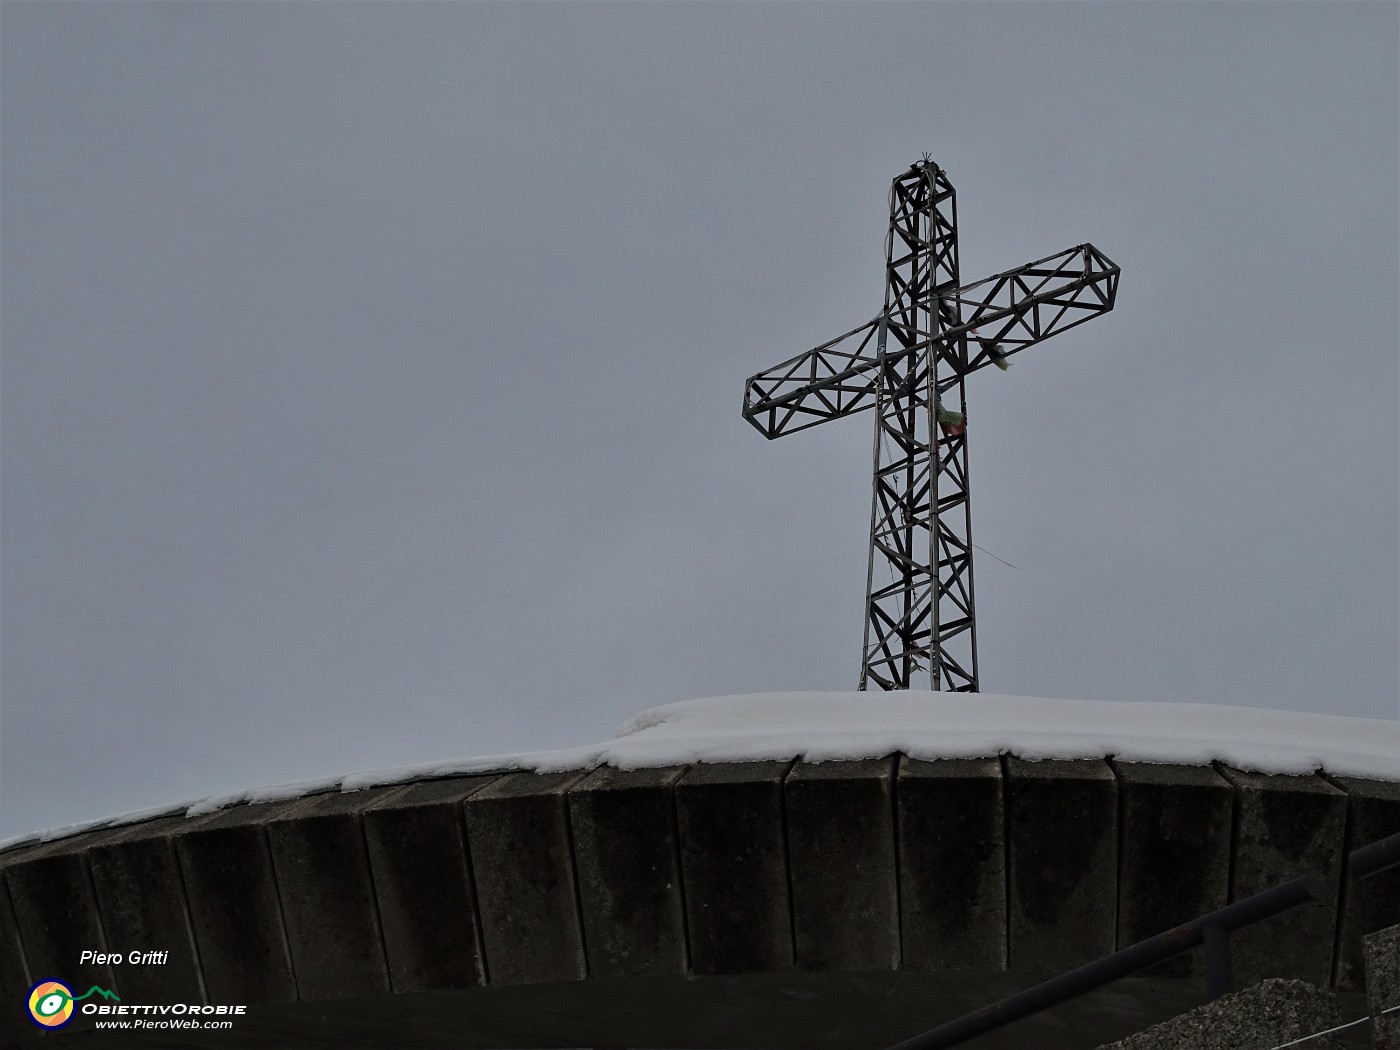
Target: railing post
[[1220, 974]]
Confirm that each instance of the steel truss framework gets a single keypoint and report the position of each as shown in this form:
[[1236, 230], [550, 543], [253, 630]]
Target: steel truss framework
[[913, 356]]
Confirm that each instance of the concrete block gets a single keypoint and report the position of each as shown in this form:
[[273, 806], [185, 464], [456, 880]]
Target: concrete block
[[56, 913], [734, 867], [629, 879], [234, 906], [952, 863], [423, 882], [522, 857], [1381, 952], [141, 898], [327, 895], [1286, 826], [1368, 905], [1174, 853], [14, 975], [1063, 830], [1271, 1013], [840, 838]]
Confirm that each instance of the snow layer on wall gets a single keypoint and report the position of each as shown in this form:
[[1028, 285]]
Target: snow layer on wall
[[826, 726]]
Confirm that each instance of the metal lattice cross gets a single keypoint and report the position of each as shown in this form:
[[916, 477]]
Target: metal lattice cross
[[943, 331]]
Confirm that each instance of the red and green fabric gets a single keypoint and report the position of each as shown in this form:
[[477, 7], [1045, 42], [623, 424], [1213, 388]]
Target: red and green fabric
[[951, 422]]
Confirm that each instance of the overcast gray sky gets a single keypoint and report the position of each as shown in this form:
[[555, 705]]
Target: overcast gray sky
[[372, 373]]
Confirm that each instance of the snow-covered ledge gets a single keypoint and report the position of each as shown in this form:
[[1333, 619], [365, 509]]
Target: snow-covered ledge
[[822, 727], [954, 839], [928, 725]]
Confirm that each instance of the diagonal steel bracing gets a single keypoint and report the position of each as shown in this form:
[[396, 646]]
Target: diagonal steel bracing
[[916, 354]]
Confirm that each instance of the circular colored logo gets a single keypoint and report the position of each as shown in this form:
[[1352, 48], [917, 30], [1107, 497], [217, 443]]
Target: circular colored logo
[[51, 1004]]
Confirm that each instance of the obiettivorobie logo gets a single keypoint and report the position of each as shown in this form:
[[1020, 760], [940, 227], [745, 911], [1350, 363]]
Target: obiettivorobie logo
[[51, 1002]]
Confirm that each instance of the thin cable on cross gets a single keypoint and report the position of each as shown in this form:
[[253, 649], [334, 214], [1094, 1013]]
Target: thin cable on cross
[[908, 363]]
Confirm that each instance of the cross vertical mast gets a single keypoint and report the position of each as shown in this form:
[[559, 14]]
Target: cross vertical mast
[[904, 632]]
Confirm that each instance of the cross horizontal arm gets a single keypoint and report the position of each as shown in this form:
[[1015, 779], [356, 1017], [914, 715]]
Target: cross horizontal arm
[[1012, 310], [833, 380]]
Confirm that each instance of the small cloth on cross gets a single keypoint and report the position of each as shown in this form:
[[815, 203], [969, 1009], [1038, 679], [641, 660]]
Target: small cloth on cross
[[994, 351], [952, 423]]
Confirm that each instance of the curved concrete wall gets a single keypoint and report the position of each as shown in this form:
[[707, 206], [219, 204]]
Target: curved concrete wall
[[769, 867]]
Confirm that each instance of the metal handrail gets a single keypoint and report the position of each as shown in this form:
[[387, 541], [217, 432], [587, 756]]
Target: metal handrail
[[1377, 857], [1213, 930]]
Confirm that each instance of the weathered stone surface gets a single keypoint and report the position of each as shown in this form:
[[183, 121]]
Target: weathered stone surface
[[629, 879], [1285, 827], [952, 863], [1063, 821], [1258, 1018], [840, 836], [234, 908], [14, 978], [1373, 813], [734, 864], [141, 898], [422, 879], [518, 833], [328, 905], [56, 913], [1381, 952], [563, 855], [1174, 862]]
